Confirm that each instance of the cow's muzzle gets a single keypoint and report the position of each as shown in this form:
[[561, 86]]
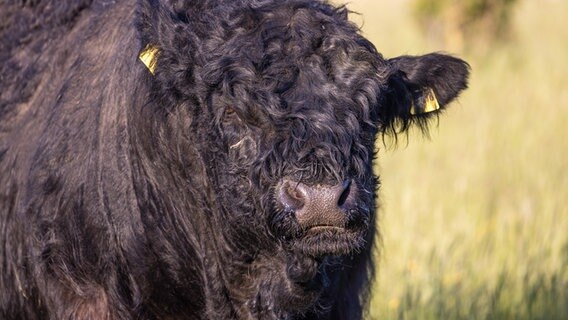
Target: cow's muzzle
[[318, 207]]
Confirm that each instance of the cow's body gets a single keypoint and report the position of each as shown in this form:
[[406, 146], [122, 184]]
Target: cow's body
[[201, 191]]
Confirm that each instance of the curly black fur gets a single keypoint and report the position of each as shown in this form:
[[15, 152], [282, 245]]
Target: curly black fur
[[127, 195]]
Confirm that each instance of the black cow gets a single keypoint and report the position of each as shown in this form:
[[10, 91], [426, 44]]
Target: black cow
[[202, 159]]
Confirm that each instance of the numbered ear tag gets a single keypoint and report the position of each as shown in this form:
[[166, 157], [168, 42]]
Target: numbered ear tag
[[430, 103], [149, 57]]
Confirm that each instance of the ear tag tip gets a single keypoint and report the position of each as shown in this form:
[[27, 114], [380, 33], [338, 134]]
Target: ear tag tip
[[148, 56], [413, 109]]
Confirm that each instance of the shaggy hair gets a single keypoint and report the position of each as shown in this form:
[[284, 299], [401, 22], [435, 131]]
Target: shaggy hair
[[126, 194]]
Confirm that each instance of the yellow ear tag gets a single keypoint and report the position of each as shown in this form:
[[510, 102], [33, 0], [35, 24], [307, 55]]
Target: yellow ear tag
[[430, 103], [149, 56]]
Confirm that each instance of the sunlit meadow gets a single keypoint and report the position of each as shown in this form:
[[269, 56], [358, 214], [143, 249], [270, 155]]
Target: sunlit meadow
[[474, 219]]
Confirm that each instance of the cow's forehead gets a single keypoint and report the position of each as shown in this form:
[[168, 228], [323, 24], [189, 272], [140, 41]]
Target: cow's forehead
[[288, 50]]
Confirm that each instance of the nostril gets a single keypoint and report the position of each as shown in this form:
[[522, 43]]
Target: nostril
[[345, 191], [292, 195]]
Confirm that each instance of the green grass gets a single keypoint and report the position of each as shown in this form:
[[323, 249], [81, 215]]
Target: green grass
[[475, 219]]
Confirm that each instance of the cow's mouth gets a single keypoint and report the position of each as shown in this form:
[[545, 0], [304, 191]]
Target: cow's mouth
[[324, 228], [322, 240]]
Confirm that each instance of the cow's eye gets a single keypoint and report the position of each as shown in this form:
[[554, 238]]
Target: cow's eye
[[230, 114], [229, 110]]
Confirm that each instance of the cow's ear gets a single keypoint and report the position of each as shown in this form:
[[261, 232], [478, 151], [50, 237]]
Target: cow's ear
[[420, 87], [169, 40]]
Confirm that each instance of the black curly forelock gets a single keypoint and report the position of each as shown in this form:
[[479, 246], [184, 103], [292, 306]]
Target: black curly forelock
[[313, 95]]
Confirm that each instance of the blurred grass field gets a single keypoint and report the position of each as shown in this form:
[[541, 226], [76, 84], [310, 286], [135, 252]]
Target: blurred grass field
[[474, 220]]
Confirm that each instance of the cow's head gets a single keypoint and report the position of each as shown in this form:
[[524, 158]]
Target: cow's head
[[284, 100]]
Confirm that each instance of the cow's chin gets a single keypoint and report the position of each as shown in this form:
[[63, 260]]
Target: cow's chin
[[320, 241]]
